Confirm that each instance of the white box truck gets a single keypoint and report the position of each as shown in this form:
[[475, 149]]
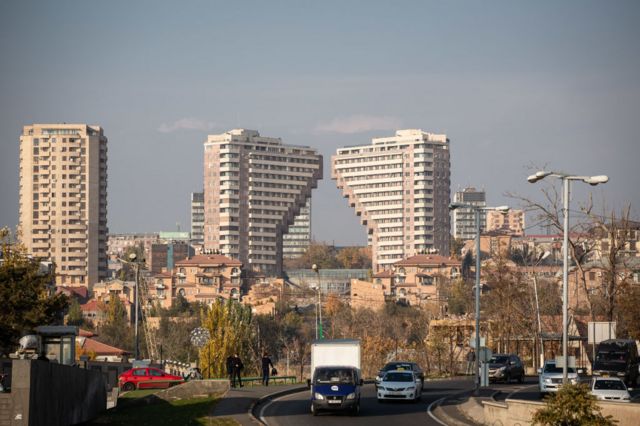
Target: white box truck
[[335, 376]]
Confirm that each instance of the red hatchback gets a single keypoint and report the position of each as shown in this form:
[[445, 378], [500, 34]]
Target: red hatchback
[[146, 378]]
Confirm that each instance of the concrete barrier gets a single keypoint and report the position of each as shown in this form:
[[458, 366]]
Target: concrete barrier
[[45, 393], [515, 412]]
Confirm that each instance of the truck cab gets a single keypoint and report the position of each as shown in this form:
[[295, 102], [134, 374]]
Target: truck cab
[[336, 388]]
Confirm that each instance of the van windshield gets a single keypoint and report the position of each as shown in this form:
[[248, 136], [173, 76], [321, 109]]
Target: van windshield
[[552, 368], [335, 375]]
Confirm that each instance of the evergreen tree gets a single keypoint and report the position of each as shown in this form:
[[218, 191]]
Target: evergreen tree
[[25, 294], [74, 316]]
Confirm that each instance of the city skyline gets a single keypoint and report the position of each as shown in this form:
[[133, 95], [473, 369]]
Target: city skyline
[[515, 87]]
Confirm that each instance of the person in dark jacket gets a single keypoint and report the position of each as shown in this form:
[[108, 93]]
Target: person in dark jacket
[[237, 368], [230, 371], [266, 365]]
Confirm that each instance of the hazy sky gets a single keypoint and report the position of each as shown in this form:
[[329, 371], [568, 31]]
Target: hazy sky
[[514, 85]]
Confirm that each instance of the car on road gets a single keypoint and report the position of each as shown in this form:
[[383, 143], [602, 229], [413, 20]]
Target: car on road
[[610, 389], [550, 377], [506, 367], [147, 378], [400, 366], [400, 385]]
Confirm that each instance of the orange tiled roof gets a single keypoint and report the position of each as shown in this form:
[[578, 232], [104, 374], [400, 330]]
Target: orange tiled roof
[[428, 260], [209, 259], [101, 348]]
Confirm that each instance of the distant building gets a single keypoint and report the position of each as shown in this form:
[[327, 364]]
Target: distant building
[[298, 237], [197, 217], [63, 199], [511, 223], [166, 255], [201, 278], [331, 281], [254, 187], [464, 218], [399, 186]]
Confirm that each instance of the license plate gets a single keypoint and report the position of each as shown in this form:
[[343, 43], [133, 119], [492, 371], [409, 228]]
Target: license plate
[[605, 374], [334, 401]]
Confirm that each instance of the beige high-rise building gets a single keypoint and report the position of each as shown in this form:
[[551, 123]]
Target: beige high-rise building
[[63, 199], [254, 186], [399, 186]]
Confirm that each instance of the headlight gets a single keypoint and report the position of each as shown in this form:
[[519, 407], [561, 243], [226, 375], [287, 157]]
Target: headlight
[[502, 369], [352, 395], [411, 388], [548, 381], [318, 396], [381, 388], [621, 374]]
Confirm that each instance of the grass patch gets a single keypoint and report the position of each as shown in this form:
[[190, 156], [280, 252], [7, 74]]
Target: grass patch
[[193, 411]]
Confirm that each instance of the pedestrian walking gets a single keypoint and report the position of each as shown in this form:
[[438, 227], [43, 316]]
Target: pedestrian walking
[[471, 360], [237, 368], [266, 365], [230, 371]]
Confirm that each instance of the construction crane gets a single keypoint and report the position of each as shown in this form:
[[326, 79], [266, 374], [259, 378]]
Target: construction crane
[[149, 333]]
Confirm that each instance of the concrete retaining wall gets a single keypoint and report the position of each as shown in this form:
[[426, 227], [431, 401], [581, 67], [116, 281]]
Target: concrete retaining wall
[[44, 393], [519, 413]]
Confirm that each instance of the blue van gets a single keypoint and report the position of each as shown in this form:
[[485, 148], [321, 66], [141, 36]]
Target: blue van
[[336, 388]]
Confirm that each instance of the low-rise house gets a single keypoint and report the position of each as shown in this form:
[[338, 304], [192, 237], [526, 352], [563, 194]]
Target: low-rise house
[[202, 278], [97, 351]]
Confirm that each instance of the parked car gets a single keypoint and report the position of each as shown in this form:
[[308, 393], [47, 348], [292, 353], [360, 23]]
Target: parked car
[[506, 367], [610, 389], [550, 377], [400, 385], [147, 378], [618, 358], [400, 366]]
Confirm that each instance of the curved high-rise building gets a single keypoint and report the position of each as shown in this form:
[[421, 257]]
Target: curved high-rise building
[[399, 186], [254, 186]]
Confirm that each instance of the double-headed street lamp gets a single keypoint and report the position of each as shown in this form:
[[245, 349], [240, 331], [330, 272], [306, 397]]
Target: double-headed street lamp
[[478, 210], [566, 179]]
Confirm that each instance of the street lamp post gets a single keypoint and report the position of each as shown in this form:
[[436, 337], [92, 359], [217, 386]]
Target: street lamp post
[[566, 180], [319, 333], [478, 210], [535, 292]]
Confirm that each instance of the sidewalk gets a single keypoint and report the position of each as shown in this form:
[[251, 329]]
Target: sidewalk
[[237, 402]]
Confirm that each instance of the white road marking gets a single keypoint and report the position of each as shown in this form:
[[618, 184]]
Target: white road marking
[[436, 403], [264, 407]]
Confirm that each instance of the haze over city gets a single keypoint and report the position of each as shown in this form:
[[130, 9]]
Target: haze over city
[[516, 87]]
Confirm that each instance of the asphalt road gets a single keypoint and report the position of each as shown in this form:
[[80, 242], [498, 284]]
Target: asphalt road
[[294, 409]]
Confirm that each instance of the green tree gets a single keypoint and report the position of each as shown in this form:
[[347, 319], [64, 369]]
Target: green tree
[[25, 293], [229, 325], [116, 330], [74, 316], [572, 405], [354, 258]]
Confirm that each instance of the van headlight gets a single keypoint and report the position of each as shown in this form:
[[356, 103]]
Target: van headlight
[[318, 395], [352, 395]]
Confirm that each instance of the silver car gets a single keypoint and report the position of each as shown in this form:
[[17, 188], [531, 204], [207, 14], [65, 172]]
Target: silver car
[[550, 377], [610, 389]]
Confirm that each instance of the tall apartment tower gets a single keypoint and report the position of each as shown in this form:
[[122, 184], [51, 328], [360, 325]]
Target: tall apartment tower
[[511, 223], [464, 219], [297, 239], [197, 217], [254, 187], [399, 186], [63, 199]]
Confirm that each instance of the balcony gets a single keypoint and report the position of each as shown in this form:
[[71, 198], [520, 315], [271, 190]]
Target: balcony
[[160, 286]]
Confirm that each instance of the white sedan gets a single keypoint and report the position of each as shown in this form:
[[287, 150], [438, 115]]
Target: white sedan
[[399, 385], [610, 389]]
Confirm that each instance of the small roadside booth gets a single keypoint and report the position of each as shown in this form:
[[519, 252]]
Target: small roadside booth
[[58, 343]]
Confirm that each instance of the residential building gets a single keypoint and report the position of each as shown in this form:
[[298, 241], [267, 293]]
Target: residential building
[[63, 199], [399, 186], [511, 222], [201, 278], [165, 255], [298, 237], [464, 218], [197, 217], [254, 187]]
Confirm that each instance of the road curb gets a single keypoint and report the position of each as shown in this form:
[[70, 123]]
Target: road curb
[[442, 414], [269, 397]]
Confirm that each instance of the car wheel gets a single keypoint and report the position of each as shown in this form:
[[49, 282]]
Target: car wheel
[[313, 410], [507, 378], [128, 387], [355, 410], [521, 378]]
